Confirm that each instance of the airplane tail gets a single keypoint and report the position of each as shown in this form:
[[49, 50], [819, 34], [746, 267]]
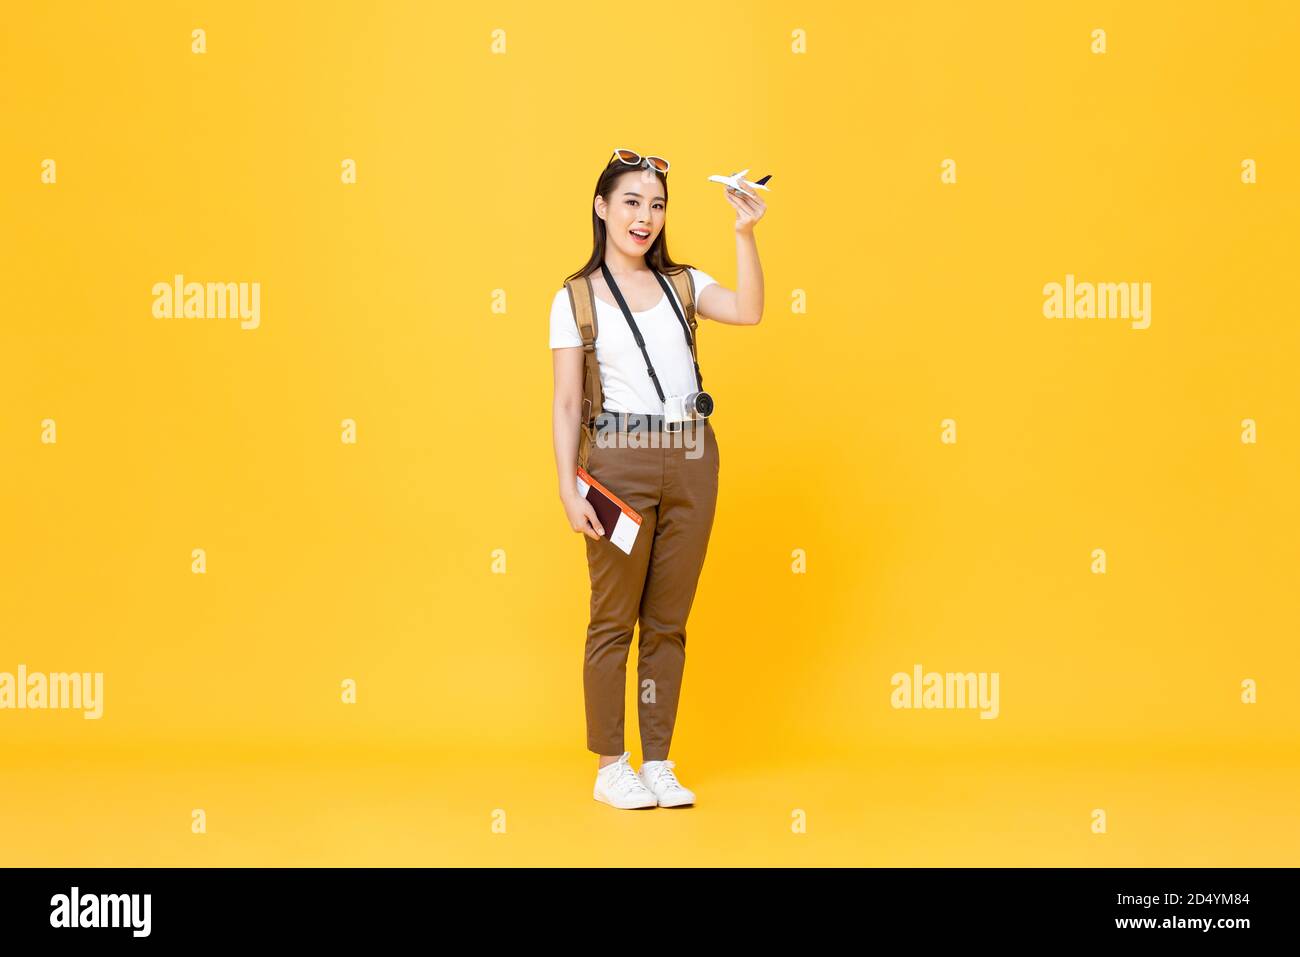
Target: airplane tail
[[763, 181]]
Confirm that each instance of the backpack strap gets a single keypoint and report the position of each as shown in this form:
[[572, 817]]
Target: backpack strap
[[583, 303], [684, 285]]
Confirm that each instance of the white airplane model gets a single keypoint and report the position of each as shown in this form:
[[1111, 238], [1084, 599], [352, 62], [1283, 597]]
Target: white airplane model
[[738, 181]]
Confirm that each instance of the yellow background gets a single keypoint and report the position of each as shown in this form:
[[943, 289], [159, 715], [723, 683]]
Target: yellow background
[[374, 562]]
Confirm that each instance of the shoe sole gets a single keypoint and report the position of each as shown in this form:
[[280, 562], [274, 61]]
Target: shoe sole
[[626, 807], [679, 804], [690, 803]]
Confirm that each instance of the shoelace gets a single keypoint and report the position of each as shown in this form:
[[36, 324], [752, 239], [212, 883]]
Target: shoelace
[[627, 780], [667, 778]]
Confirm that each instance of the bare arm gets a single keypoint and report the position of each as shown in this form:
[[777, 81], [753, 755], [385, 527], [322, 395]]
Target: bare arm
[[564, 414], [744, 305]]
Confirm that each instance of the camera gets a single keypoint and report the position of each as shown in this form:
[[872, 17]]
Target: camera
[[692, 405]]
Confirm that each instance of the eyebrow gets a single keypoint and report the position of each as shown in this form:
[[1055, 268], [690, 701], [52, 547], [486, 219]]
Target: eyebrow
[[639, 196]]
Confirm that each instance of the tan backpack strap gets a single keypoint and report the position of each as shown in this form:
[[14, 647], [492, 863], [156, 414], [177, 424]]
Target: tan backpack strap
[[684, 285], [583, 302]]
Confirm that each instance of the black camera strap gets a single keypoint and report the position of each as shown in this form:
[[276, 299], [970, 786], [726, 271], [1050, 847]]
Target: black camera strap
[[686, 331], [636, 333]]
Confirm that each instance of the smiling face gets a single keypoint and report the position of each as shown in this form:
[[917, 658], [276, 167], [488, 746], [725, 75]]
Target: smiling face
[[634, 216]]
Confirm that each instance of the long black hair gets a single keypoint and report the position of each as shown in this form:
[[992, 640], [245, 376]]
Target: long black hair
[[656, 257]]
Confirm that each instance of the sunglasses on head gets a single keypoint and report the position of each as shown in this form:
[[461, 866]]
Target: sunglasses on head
[[633, 158]]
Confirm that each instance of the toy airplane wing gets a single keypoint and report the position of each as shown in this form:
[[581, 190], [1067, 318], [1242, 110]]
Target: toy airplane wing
[[737, 181]]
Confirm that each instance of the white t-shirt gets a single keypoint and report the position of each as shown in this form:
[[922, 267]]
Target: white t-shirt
[[623, 378]]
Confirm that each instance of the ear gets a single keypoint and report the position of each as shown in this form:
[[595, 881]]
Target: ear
[[600, 206]]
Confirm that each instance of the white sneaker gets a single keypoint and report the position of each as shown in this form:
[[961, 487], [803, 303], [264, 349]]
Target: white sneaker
[[618, 786], [658, 777]]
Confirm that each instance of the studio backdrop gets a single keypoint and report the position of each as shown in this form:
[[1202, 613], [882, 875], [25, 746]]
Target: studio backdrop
[[1004, 568]]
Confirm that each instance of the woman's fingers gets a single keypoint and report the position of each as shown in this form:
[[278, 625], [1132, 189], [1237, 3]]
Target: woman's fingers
[[745, 216], [750, 204]]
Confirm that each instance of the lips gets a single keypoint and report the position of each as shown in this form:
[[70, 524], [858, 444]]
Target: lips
[[638, 236]]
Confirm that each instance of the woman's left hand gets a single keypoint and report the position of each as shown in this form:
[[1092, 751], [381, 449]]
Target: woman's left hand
[[749, 209]]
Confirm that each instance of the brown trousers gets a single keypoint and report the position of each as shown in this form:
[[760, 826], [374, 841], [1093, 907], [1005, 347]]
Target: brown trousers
[[674, 487]]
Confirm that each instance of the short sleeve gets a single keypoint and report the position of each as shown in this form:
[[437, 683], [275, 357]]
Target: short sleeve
[[564, 330], [702, 280]]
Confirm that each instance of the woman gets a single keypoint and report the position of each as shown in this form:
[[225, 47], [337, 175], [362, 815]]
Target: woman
[[669, 478]]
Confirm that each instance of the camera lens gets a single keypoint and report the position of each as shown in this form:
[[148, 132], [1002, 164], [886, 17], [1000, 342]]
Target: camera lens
[[703, 403]]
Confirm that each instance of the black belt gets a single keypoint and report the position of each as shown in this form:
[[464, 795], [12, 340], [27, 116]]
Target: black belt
[[611, 421]]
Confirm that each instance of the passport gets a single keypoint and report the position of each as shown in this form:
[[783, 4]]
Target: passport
[[616, 517]]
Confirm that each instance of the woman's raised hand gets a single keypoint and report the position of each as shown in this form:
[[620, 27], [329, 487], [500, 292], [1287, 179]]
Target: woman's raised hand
[[749, 209]]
